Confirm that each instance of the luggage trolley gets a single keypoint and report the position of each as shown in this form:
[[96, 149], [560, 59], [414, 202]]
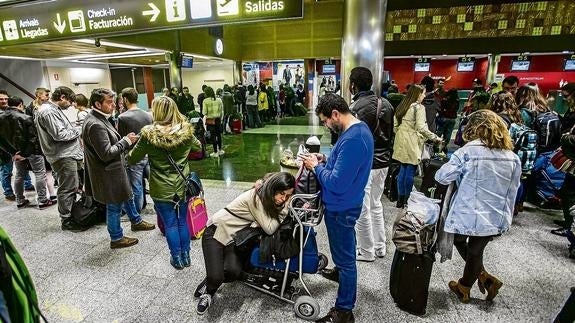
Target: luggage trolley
[[276, 278]]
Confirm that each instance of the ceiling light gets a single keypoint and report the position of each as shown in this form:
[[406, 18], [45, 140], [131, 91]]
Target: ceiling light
[[444, 55]]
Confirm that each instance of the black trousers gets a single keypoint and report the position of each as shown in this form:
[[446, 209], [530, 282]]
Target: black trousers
[[471, 250], [216, 132], [567, 194], [223, 263]]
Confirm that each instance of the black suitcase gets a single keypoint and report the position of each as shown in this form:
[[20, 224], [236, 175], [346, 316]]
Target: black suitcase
[[429, 186], [409, 280]]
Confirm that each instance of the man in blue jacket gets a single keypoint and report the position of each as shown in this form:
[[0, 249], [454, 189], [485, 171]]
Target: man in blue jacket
[[343, 179]]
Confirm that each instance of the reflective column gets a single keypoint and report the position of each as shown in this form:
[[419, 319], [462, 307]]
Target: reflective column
[[363, 40], [493, 61]]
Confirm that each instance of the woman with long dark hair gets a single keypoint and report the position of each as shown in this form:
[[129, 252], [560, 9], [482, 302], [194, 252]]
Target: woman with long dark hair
[[411, 132], [214, 112], [263, 206]]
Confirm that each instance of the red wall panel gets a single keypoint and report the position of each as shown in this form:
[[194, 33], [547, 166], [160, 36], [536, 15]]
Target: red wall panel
[[545, 70]]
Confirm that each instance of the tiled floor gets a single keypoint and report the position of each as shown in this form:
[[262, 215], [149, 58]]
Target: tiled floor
[[79, 279]]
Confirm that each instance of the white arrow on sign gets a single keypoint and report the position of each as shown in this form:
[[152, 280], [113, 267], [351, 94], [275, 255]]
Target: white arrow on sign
[[154, 12], [60, 25]]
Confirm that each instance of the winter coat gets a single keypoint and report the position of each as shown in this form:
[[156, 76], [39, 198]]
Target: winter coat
[[155, 141], [106, 180], [410, 135], [364, 107], [228, 102], [18, 133]]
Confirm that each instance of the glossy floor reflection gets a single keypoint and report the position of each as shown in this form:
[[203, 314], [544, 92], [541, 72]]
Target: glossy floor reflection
[[255, 152]]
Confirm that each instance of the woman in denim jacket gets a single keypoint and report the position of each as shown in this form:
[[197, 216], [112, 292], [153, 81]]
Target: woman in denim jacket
[[487, 174]]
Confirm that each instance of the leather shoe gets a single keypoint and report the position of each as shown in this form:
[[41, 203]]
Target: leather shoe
[[331, 274], [23, 203], [143, 226], [560, 223], [123, 243], [562, 232], [10, 197], [70, 225], [337, 316]]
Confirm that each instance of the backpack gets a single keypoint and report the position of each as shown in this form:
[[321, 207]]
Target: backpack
[[548, 128], [306, 182], [525, 145], [548, 181]]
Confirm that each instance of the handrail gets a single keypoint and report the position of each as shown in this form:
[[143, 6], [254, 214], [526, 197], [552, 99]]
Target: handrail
[[16, 85]]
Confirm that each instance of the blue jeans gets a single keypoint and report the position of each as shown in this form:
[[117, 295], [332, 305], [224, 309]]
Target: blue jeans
[[175, 218], [6, 173], [113, 213], [341, 234], [405, 179], [136, 177]]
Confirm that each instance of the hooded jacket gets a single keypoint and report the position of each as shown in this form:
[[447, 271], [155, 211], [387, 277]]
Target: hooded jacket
[[156, 141], [364, 107]]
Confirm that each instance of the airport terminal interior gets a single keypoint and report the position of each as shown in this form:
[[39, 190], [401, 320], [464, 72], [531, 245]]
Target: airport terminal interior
[[299, 51]]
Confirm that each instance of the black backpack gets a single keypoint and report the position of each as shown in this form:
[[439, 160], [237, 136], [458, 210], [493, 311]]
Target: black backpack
[[548, 128]]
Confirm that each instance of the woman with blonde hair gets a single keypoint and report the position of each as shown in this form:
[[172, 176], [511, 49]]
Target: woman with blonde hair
[[411, 132], [170, 134], [487, 172]]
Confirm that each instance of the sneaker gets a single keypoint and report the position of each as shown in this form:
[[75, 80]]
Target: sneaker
[[125, 242], [214, 155], [560, 223], [221, 152], [361, 257], [380, 252], [23, 203], [334, 315], [30, 189], [331, 274], [53, 197], [204, 304], [143, 226], [47, 204], [201, 289], [562, 232], [10, 197], [69, 225]]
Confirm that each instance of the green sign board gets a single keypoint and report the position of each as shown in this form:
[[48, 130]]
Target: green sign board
[[45, 21]]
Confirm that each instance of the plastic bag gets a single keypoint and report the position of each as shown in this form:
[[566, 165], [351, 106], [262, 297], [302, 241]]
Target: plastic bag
[[425, 209]]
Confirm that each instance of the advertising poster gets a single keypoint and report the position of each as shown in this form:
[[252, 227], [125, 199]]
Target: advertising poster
[[288, 72]]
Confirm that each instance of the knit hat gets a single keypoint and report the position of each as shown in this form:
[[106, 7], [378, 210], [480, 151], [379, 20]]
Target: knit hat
[[312, 144]]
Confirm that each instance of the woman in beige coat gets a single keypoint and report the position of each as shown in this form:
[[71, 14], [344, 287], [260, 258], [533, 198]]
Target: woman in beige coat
[[411, 132]]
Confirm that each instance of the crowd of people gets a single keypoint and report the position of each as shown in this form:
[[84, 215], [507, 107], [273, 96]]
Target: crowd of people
[[104, 151]]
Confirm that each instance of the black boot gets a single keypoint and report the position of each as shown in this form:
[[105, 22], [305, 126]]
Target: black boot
[[400, 202], [337, 316]]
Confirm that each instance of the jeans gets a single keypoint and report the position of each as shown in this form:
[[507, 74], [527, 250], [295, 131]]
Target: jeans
[[113, 213], [136, 177], [341, 235], [254, 117], [223, 264], [66, 170], [472, 252], [405, 179], [6, 173], [175, 219], [370, 227], [39, 170], [445, 129]]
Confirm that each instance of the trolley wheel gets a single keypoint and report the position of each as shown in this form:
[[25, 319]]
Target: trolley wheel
[[323, 262], [306, 307]]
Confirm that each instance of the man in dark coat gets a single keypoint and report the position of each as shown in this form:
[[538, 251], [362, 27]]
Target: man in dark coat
[[106, 177]]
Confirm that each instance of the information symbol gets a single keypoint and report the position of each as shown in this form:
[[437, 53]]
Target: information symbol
[[175, 10]]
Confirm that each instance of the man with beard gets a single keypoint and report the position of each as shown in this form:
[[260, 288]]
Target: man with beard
[[343, 179], [60, 142]]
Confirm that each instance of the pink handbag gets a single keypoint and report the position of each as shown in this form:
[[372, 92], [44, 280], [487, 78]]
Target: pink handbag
[[197, 216]]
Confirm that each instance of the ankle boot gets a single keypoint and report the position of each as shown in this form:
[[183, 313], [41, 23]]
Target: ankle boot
[[461, 291], [177, 262], [186, 261], [400, 202], [489, 283]]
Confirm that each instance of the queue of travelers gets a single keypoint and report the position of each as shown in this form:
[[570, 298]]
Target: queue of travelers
[[111, 152]]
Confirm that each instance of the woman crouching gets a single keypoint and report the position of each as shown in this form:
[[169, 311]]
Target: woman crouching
[[264, 206], [487, 173]]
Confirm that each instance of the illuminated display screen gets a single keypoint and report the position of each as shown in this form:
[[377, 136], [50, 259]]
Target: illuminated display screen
[[187, 62], [569, 65], [422, 67], [521, 63], [328, 69], [30, 22], [466, 64]]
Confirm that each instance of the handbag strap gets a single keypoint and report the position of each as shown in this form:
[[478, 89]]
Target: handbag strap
[[174, 165], [237, 216]]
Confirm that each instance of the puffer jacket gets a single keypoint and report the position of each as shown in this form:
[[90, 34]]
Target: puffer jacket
[[364, 107], [156, 141], [18, 133]]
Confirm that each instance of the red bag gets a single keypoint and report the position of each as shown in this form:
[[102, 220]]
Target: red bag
[[197, 217], [562, 162]]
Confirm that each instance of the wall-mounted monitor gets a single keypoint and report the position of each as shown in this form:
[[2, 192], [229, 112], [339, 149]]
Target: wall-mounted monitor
[[422, 64], [466, 64], [187, 62], [328, 69], [521, 63], [569, 63]]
